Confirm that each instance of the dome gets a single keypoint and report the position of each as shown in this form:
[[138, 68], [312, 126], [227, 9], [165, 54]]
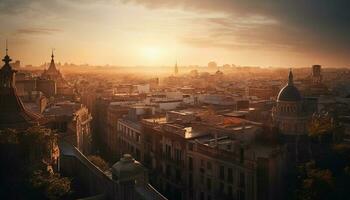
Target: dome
[[127, 169], [289, 92]]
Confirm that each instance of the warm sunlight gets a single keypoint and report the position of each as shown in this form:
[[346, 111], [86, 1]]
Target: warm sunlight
[[151, 53]]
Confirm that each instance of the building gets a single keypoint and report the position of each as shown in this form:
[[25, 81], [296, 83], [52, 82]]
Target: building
[[290, 114], [316, 86], [13, 114], [72, 120], [126, 180], [52, 73], [200, 155], [316, 74], [114, 113]]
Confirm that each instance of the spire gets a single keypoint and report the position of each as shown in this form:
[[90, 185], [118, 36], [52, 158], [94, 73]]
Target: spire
[[176, 68], [290, 77], [7, 58], [12, 111], [7, 50], [52, 66], [52, 56]]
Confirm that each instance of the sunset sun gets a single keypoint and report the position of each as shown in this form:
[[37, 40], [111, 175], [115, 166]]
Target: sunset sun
[[151, 53]]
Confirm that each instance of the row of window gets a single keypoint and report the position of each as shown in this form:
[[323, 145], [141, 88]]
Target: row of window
[[129, 132], [177, 153], [223, 175], [125, 147]]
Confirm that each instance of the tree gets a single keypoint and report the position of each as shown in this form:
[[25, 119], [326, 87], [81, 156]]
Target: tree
[[322, 125], [99, 162], [25, 157], [315, 184], [51, 185]]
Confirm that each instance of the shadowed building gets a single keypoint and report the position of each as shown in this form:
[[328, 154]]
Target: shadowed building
[[289, 114], [13, 114]]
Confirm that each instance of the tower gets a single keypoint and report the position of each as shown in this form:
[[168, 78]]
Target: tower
[[13, 114], [52, 73], [176, 69], [316, 74]]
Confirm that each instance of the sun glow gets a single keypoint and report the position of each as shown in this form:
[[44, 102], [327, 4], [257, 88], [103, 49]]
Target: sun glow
[[152, 53]]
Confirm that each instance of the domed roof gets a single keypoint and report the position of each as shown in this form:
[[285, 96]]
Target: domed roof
[[289, 92], [127, 168]]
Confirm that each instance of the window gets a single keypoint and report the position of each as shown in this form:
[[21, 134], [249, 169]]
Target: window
[[242, 179], [138, 154], [138, 137], [229, 191], [168, 172], [178, 175], [229, 175], [209, 167], [241, 155], [208, 184], [201, 196], [190, 180], [168, 151], [178, 155], [240, 195], [190, 163], [191, 194], [222, 173], [221, 187], [201, 178], [190, 146]]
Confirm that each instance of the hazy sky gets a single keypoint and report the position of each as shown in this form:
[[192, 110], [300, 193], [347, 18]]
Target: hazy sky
[[288, 33]]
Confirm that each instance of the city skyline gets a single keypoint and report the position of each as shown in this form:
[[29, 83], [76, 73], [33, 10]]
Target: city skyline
[[157, 33]]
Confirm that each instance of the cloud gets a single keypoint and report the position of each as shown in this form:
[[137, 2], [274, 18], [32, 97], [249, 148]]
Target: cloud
[[318, 24], [38, 31]]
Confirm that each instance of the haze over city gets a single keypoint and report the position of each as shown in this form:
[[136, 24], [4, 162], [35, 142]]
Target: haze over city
[[156, 33], [174, 100]]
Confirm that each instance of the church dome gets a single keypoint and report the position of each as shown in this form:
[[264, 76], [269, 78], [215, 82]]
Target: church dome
[[127, 168], [289, 92]]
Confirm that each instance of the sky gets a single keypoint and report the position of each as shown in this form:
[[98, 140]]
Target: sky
[[280, 33]]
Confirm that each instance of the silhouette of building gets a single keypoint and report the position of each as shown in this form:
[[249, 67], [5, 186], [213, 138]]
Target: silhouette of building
[[176, 70], [315, 86], [13, 114], [52, 73], [289, 114], [316, 74]]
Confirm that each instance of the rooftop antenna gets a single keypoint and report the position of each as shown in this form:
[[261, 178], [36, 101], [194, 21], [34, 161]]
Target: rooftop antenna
[[7, 47]]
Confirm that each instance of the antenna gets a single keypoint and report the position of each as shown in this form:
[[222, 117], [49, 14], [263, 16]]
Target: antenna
[[7, 47]]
